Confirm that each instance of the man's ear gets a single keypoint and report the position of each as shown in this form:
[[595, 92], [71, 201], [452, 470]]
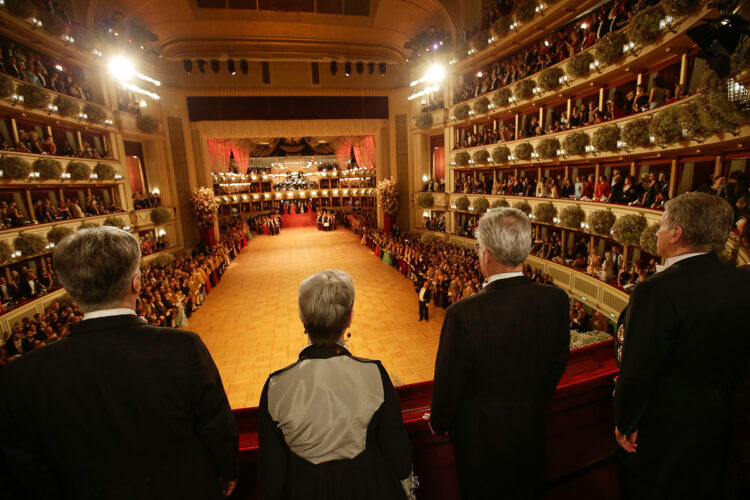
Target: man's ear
[[135, 283], [676, 234]]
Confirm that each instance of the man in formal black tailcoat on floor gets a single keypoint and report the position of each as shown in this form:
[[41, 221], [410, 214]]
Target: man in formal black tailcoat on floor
[[685, 345], [502, 352], [117, 409]]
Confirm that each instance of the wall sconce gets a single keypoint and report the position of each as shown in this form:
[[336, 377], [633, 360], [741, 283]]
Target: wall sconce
[[126, 228], [512, 100], [51, 108], [667, 23], [539, 9], [33, 175], [589, 149], [536, 90], [515, 26], [97, 53], [535, 156], [35, 23], [15, 99], [108, 122], [629, 48], [65, 175], [595, 66], [82, 116], [561, 152], [564, 80], [68, 40], [94, 176], [118, 177], [511, 157]]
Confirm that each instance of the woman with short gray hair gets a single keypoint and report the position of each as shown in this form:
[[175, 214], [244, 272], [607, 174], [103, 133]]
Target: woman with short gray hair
[[330, 424]]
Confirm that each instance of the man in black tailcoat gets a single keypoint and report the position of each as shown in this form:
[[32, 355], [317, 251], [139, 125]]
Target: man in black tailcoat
[[685, 345], [502, 352], [117, 409]]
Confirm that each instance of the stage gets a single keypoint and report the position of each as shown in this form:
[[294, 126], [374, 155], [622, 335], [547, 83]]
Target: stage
[[250, 322]]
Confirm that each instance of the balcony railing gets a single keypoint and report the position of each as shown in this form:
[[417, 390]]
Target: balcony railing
[[64, 161], [296, 195]]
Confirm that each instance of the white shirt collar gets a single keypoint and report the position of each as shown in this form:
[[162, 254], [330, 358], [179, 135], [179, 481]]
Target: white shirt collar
[[502, 276], [677, 258], [103, 313]]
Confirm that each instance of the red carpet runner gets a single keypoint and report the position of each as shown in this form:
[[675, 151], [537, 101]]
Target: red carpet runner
[[298, 220]]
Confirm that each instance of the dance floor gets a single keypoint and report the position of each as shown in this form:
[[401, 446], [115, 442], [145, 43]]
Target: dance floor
[[251, 326]]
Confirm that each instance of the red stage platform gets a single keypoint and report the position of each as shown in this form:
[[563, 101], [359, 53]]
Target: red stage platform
[[298, 220]]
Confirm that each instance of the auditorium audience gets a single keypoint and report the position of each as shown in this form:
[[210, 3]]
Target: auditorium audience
[[146, 200]]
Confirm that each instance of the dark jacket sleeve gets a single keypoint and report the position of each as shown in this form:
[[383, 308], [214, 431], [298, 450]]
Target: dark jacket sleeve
[[451, 373], [274, 453], [392, 437], [214, 420], [559, 329], [650, 319]]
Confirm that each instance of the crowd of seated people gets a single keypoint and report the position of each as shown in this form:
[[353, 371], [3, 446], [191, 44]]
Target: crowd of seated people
[[585, 114], [652, 191], [28, 66], [30, 142], [581, 320], [146, 200], [430, 104], [44, 211], [434, 186], [556, 48], [24, 285], [152, 244], [436, 223]]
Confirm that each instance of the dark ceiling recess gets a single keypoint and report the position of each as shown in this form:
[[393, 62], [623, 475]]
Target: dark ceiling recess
[[345, 7], [286, 108]]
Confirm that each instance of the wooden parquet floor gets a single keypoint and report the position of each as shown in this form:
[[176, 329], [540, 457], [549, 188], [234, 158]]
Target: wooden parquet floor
[[251, 326]]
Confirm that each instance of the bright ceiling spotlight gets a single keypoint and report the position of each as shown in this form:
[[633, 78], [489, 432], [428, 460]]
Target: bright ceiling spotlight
[[121, 68], [435, 73]]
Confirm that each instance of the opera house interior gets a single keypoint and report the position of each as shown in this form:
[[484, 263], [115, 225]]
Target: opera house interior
[[244, 146]]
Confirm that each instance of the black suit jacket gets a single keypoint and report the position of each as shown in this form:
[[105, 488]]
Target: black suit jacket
[[686, 344], [502, 352], [25, 288], [118, 409]]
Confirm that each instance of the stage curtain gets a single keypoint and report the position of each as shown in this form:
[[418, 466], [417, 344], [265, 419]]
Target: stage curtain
[[364, 151], [241, 149], [343, 153], [219, 151]]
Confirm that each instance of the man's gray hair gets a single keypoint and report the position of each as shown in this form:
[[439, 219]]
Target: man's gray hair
[[325, 303], [506, 233], [705, 219], [96, 266]]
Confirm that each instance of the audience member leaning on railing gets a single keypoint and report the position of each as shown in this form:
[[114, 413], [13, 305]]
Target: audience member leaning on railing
[[559, 46], [146, 200], [30, 142], [170, 292]]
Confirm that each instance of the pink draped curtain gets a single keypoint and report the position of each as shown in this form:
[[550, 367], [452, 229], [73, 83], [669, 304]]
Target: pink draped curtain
[[364, 150], [219, 151]]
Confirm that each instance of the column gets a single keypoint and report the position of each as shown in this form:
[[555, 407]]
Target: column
[[673, 179]]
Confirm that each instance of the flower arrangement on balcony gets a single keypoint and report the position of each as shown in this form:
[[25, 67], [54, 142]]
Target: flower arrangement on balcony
[[583, 339], [33, 95], [21, 8], [462, 203], [548, 147], [601, 221], [501, 27], [462, 111], [500, 98], [717, 113], [525, 10], [6, 87], [104, 171], [47, 168], [425, 200], [114, 222], [78, 171], [627, 229], [148, 124], [94, 113], [461, 159], [500, 154], [525, 89], [644, 27], [502, 202], [572, 217], [5, 252], [549, 78], [580, 64], [576, 142], [57, 233], [690, 121], [648, 238], [481, 106], [608, 50], [29, 244], [67, 106], [388, 196], [545, 212], [87, 225], [606, 138], [479, 42], [424, 120], [480, 156], [523, 206], [15, 168], [665, 127], [680, 7], [636, 133], [160, 215], [204, 206], [523, 151], [481, 205]]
